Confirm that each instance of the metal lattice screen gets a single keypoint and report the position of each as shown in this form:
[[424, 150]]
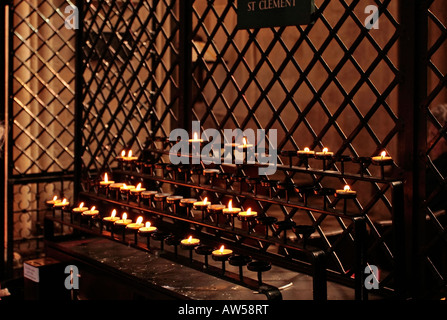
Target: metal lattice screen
[[329, 84], [41, 148], [130, 75]]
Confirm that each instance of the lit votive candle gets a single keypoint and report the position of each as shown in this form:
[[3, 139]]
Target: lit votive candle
[[80, 209], [346, 192], [230, 210], [195, 138], [247, 215], [306, 151], [129, 157], [189, 243], [201, 205], [325, 152], [245, 144], [53, 201], [123, 221], [222, 253], [137, 191], [106, 182], [112, 217], [126, 188], [90, 213], [60, 204], [147, 229], [383, 159], [137, 225]]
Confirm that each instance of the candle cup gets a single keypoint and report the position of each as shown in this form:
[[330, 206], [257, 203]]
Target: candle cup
[[77, 211], [136, 193], [188, 203], [304, 191], [345, 195], [209, 175], [134, 228], [50, 203], [90, 215], [283, 226], [189, 244], [231, 212], [204, 251], [147, 232], [324, 192], [109, 221], [160, 236], [201, 205], [160, 198], [222, 255], [382, 161], [125, 191], [259, 267], [148, 196], [173, 241], [115, 188], [120, 225], [304, 156], [267, 222], [305, 232], [239, 261], [216, 210], [248, 217], [174, 200]]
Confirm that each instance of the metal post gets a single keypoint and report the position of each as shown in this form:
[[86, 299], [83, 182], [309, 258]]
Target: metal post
[[79, 78], [185, 64], [413, 133]]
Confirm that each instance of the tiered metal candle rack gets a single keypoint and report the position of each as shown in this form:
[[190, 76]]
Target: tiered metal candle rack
[[251, 238]]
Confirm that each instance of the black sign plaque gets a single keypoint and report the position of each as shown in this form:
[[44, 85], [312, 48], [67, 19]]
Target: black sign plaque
[[273, 13]]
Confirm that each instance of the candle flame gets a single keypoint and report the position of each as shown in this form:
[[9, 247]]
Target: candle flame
[[123, 153], [230, 204], [93, 208], [347, 188], [64, 201], [306, 149], [221, 249], [139, 186], [205, 200], [189, 239], [244, 140], [129, 154], [196, 137], [113, 213], [148, 224], [383, 154], [325, 150], [81, 205], [249, 211], [54, 198], [124, 185], [106, 178], [124, 216], [139, 220]]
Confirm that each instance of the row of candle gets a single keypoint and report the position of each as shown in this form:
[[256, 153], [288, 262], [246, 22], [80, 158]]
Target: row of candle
[[147, 229]]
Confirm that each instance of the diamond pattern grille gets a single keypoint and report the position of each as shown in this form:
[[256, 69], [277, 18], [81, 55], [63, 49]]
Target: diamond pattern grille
[[42, 88], [330, 84], [130, 76]]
